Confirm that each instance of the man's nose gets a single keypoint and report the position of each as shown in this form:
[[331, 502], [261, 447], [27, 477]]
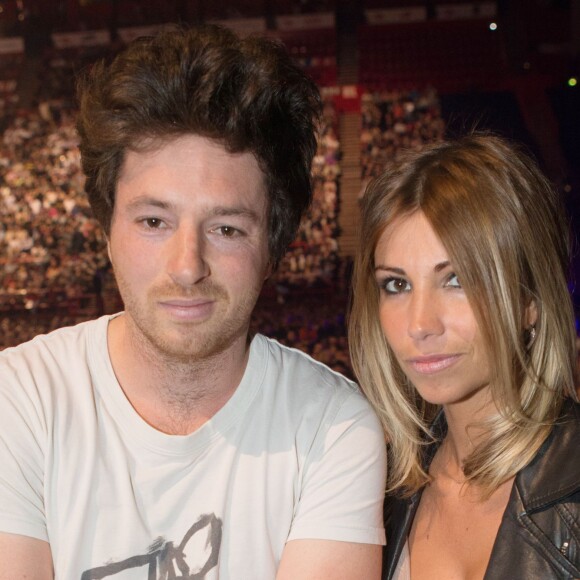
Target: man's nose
[[187, 263]]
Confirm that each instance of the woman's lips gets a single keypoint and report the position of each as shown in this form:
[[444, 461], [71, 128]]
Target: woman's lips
[[431, 364]]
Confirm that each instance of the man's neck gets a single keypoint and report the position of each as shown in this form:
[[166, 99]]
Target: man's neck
[[173, 396]]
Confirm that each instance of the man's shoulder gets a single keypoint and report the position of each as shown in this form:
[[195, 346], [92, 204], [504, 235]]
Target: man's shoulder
[[63, 349], [49, 341], [297, 378], [292, 361]]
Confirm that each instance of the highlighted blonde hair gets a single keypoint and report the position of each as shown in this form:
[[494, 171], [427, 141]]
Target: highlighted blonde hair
[[505, 231]]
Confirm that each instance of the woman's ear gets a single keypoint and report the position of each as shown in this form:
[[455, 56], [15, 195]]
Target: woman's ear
[[530, 314]]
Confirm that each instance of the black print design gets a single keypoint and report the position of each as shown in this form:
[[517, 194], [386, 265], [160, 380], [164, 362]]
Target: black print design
[[166, 562]]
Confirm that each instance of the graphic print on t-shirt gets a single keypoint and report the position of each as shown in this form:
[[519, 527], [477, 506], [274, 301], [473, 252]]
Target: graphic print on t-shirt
[[195, 556]]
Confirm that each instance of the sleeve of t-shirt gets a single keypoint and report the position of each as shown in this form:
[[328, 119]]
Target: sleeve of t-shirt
[[344, 482], [22, 452]]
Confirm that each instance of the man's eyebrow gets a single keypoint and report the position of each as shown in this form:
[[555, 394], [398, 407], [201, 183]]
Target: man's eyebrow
[[146, 200], [219, 211], [235, 211]]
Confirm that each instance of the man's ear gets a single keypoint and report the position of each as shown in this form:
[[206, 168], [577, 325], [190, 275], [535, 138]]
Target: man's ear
[[269, 270]]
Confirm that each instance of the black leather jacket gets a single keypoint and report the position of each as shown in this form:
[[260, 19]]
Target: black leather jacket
[[539, 535]]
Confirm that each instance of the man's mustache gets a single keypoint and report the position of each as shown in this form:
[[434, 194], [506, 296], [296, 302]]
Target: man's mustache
[[202, 290]]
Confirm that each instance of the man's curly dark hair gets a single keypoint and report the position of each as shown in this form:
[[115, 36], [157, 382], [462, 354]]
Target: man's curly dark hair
[[246, 94]]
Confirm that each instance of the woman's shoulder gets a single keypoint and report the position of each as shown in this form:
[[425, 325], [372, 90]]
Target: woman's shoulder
[[554, 473], [570, 414]]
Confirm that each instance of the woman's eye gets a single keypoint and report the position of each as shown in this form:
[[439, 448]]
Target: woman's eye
[[395, 285], [453, 281]]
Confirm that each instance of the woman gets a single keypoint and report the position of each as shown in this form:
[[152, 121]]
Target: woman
[[462, 336]]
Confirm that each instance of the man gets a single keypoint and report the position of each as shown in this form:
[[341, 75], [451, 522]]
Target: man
[[165, 442]]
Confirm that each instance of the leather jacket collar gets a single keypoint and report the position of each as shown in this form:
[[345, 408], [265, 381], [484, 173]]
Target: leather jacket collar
[[552, 476]]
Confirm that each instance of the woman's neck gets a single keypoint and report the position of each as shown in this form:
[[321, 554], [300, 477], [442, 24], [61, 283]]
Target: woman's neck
[[465, 428]]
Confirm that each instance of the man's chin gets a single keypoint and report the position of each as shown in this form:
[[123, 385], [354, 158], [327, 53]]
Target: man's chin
[[196, 345]]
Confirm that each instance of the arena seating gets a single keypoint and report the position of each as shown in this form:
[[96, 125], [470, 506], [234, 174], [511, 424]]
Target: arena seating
[[449, 55]]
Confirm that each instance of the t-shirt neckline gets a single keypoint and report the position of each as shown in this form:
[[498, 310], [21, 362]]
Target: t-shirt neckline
[[135, 427]]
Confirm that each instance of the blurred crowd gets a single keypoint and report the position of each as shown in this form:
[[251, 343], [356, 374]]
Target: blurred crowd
[[54, 265], [313, 322], [10, 67], [312, 260], [395, 120], [50, 247]]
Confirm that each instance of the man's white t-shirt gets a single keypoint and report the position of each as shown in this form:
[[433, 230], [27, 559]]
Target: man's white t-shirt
[[295, 453]]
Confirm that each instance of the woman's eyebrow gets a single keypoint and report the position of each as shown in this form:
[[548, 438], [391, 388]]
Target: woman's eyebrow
[[442, 266], [438, 267], [390, 269]]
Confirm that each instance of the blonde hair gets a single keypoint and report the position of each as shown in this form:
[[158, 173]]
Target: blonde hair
[[507, 237]]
